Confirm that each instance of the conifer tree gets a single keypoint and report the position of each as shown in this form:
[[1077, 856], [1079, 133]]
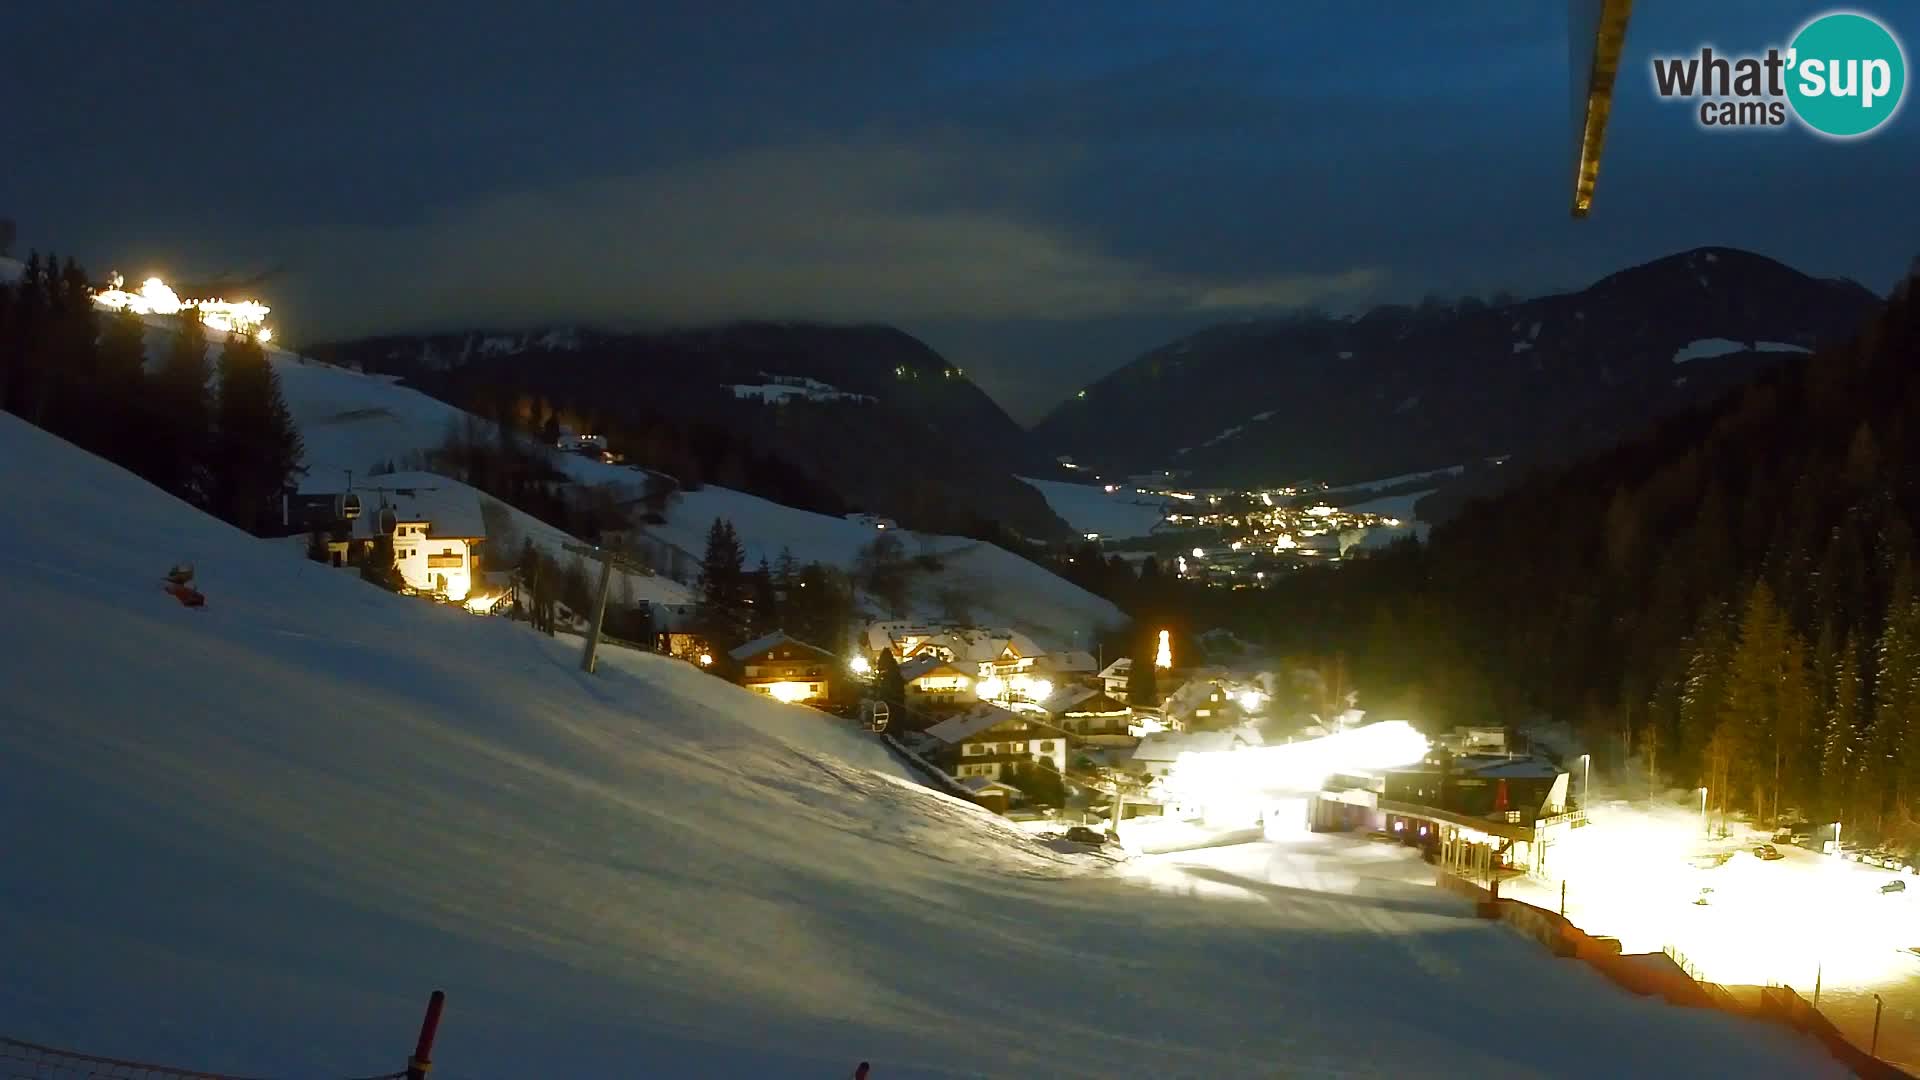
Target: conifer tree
[[256, 448], [1143, 678], [377, 565], [1837, 759], [1896, 693], [766, 612], [119, 410], [722, 588]]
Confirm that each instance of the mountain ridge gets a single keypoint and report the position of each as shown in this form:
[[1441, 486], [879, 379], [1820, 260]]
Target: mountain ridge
[[1399, 388], [826, 400]]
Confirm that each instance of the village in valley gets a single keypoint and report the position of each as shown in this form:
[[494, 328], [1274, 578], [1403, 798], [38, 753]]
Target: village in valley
[[1109, 753]]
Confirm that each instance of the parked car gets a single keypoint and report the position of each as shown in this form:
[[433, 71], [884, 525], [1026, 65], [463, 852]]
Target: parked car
[[1767, 853], [1080, 834], [1894, 885]]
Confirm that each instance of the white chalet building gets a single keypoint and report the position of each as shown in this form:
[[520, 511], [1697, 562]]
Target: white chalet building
[[437, 533]]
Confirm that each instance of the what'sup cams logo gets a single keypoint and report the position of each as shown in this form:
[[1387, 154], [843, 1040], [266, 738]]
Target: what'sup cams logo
[[1843, 76]]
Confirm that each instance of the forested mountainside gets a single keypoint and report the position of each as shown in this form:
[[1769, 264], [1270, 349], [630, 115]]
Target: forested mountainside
[[1729, 600], [827, 418]]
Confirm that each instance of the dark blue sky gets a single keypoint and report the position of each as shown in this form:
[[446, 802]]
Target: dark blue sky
[[1041, 191]]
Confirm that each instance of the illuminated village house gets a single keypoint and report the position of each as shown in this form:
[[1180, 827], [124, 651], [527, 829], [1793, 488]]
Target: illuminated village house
[[437, 535], [1480, 813], [787, 670], [994, 743], [1091, 714], [933, 682], [677, 632]]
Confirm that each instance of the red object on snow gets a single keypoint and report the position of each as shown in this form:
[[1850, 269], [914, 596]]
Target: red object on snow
[[860, 1073], [186, 594], [1500, 797]]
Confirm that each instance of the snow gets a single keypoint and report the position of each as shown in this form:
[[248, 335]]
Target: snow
[[1396, 481], [1707, 348], [1522, 346], [255, 849], [1263, 417], [1122, 514], [1393, 506], [1635, 872], [777, 393], [350, 420]]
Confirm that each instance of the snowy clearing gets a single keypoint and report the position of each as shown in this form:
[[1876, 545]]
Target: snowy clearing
[[249, 838], [1122, 514], [1395, 481], [1393, 506], [1708, 348]]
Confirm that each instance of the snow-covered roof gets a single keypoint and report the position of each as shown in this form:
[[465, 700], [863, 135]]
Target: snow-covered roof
[[1511, 768], [965, 726], [1076, 661], [1119, 669], [1194, 695], [922, 666], [448, 508], [778, 637], [883, 634], [1066, 697], [1169, 745]]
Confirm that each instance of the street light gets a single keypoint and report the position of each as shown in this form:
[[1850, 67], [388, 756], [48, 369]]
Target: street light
[[1586, 778]]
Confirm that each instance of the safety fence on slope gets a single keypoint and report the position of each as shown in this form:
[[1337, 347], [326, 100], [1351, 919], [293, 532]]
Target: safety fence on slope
[[1669, 974], [20, 1060]]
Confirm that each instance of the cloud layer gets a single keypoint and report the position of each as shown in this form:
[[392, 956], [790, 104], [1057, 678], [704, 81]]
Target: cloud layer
[[847, 233]]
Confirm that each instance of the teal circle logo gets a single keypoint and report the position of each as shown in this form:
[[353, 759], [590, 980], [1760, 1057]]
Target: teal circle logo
[[1847, 74]]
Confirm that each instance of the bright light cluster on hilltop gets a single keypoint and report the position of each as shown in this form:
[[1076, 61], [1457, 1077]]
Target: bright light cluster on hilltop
[[156, 297]]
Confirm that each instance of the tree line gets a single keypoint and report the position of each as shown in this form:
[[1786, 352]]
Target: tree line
[[218, 436], [811, 602]]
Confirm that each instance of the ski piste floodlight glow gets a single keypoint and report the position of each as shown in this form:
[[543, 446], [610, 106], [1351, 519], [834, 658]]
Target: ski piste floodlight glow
[[1293, 768]]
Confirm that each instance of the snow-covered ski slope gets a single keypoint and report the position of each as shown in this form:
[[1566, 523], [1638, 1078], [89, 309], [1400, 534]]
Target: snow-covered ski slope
[[250, 838]]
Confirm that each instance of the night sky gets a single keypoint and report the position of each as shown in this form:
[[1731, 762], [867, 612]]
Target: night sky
[[1040, 191]]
